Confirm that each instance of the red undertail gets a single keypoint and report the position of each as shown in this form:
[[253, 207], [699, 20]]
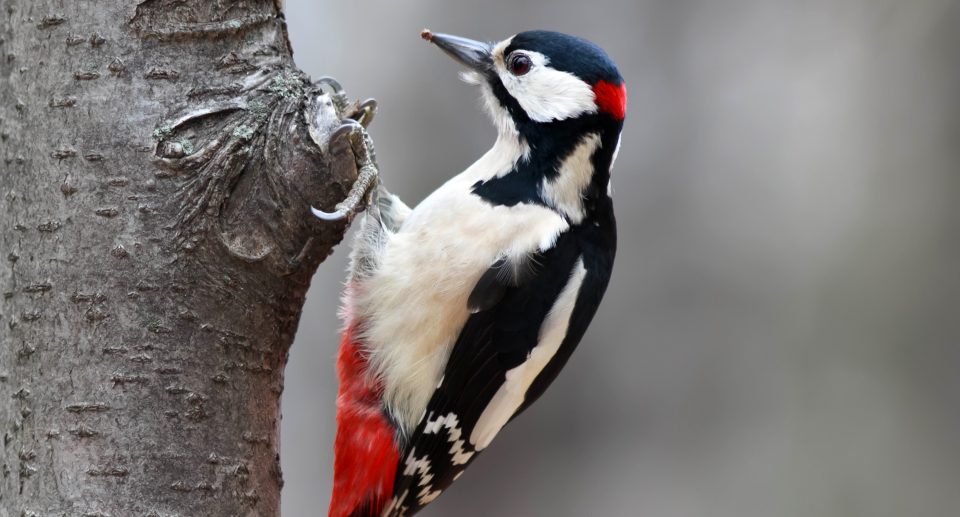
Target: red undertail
[[366, 454]]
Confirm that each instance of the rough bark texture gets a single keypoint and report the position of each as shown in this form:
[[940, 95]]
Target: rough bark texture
[[158, 162]]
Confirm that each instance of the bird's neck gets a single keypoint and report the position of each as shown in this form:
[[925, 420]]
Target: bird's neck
[[562, 166]]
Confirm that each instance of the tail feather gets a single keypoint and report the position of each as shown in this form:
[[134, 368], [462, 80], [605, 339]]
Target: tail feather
[[366, 453]]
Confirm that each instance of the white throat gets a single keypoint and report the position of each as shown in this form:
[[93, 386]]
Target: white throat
[[509, 148]]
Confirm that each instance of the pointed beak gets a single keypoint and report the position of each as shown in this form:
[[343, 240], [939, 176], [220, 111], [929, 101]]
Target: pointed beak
[[474, 55]]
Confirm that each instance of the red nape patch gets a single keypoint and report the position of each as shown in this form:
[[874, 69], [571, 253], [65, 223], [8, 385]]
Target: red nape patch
[[366, 455], [611, 98]]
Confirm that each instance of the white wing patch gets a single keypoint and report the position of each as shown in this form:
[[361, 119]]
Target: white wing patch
[[511, 394]]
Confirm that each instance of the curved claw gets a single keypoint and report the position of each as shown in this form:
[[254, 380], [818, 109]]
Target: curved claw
[[337, 215], [359, 195], [366, 111], [331, 83], [348, 127]]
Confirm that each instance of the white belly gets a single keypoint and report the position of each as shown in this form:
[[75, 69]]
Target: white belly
[[414, 304]]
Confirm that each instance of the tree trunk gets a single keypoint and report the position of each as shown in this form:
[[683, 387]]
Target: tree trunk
[[158, 163]]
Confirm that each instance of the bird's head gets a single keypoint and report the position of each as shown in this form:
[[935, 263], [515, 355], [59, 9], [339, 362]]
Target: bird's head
[[558, 103], [537, 78]]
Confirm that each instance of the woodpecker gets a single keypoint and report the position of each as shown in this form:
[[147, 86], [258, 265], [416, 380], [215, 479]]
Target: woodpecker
[[459, 312]]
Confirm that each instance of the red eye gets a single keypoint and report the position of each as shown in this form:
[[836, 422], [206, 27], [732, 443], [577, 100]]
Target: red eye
[[519, 64]]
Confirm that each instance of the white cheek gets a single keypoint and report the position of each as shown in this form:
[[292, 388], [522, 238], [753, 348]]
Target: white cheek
[[547, 94]]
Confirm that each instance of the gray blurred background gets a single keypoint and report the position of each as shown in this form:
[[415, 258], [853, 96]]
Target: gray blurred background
[[782, 333]]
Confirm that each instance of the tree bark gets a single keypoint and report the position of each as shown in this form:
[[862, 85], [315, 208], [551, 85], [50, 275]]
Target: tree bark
[[158, 163]]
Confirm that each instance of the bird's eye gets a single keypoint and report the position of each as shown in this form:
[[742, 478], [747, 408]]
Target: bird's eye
[[519, 64]]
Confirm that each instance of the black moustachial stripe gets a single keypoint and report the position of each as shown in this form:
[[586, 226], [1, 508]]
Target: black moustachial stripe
[[550, 144]]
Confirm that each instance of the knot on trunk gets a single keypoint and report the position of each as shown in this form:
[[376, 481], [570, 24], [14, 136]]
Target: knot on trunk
[[250, 162]]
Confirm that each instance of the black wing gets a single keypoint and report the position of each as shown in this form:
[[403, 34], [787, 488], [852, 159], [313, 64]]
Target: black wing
[[493, 341]]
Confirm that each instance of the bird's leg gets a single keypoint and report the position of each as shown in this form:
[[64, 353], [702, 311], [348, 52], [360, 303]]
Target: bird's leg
[[367, 171], [354, 130]]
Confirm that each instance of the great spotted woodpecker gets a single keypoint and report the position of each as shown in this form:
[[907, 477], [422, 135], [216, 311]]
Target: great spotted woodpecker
[[461, 311]]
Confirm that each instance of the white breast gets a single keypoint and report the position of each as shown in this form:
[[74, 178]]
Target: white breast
[[415, 303]]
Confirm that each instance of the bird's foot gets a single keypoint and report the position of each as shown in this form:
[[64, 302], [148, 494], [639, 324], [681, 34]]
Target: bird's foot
[[355, 134], [362, 112], [330, 85]]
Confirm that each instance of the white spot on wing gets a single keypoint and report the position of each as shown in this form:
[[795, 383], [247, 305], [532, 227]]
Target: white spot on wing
[[518, 380], [421, 468], [395, 509], [450, 422]]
